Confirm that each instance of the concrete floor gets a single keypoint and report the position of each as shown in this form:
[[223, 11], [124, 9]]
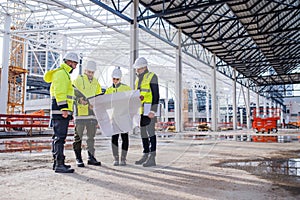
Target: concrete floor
[[190, 165]]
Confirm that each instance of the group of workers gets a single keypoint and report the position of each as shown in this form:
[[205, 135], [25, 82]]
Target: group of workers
[[65, 93]]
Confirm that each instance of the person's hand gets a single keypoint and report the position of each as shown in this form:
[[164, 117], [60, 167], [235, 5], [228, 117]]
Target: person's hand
[[141, 97], [91, 107], [82, 101], [64, 113], [151, 114]]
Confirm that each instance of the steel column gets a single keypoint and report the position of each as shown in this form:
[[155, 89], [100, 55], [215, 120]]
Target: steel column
[[178, 86], [5, 67], [214, 96]]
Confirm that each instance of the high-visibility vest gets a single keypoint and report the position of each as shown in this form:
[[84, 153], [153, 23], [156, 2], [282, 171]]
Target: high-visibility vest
[[88, 89], [120, 88], [145, 89], [61, 90]]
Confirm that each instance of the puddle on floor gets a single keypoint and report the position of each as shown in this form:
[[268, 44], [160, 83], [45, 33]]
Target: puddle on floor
[[290, 167], [284, 173]]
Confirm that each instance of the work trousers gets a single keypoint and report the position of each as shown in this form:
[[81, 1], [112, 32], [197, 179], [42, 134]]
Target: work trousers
[[115, 144], [91, 129], [148, 134], [60, 128]]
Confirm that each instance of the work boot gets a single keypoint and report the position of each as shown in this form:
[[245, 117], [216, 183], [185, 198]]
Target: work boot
[[79, 161], [151, 160], [61, 168], [143, 159], [123, 158], [116, 161], [92, 160], [54, 164], [123, 162]]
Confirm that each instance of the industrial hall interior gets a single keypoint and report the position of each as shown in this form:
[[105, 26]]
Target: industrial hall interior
[[221, 91]]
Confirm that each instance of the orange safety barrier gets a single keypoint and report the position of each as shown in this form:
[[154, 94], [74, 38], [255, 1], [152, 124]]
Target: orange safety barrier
[[29, 145], [26, 122]]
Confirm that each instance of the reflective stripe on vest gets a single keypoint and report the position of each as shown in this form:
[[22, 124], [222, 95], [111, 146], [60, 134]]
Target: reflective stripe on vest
[[86, 117], [68, 97], [59, 112]]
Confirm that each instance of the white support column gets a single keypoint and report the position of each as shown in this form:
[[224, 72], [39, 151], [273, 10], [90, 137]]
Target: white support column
[[5, 65], [25, 61], [214, 96], [207, 105], [281, 116], [241, 116], [234, 108], [248, 107], [227, 110], [265, 107], [134, 41], [194, 101], [167, 103], [270, 108], [257, 104], [178, 87], [218, 111]]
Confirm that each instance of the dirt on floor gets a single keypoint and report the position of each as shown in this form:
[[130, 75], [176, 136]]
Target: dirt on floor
[[186, 169]]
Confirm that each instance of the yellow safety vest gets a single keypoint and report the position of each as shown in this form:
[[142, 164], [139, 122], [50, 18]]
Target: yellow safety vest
[[121, 88], [145, 89], [88, 89]]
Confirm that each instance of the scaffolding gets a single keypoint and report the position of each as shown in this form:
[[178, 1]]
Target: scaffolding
[[16, 76]]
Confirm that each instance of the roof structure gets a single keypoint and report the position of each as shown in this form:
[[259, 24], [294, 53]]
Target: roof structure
[[259, 38]]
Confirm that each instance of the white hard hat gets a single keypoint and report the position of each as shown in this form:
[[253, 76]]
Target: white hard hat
[[140, 63], [91, 66], [72, 57], [117, 73]]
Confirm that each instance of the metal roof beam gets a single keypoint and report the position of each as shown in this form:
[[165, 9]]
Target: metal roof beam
[[202, 40], [277, 79], [179, 9]]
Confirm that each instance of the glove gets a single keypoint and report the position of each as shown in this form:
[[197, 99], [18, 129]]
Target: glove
[[141, 97]]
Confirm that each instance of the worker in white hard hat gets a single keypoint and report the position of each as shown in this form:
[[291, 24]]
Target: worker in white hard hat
[[88, 86], [117, 86], [62, 95], [147, 84]]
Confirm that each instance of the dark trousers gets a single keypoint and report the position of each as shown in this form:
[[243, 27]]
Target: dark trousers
[[60, 128], [148, 134], [115, 144]]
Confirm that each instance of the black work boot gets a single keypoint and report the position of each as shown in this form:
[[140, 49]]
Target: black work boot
[[61, 168], [54, 164], [79, 161], [143, 159], [92, 160], [151, 160]]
